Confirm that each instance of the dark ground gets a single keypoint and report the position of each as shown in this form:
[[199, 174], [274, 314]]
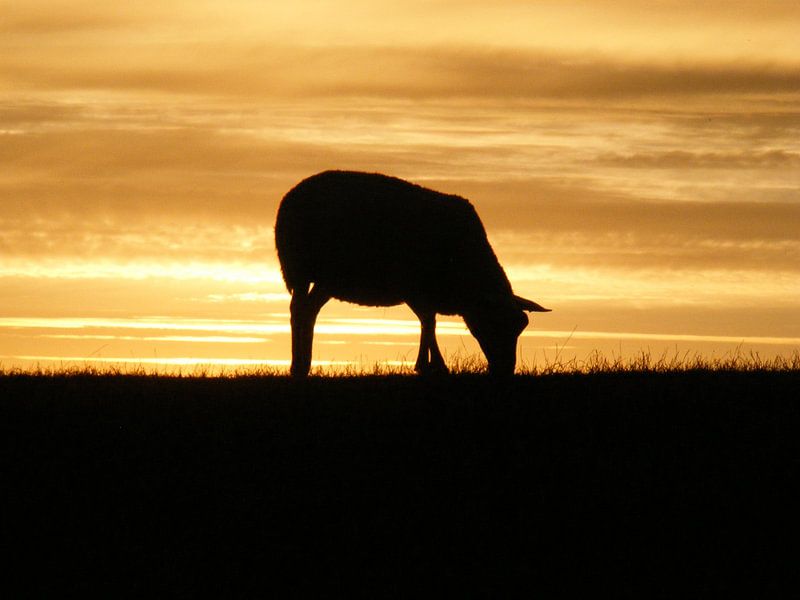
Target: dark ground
[[641, 485]]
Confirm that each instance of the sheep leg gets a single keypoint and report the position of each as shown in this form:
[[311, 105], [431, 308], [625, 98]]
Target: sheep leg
[[437, 361], [429, 358], [304, 308], [422, 356]]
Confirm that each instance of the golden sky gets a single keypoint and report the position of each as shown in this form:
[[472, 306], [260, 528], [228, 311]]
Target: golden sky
[[636, 164]]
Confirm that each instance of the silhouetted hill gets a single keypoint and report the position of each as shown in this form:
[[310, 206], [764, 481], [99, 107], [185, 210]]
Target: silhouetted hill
[[641, 485]]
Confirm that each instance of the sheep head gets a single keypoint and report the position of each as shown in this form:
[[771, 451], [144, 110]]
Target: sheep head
[[497, 323]]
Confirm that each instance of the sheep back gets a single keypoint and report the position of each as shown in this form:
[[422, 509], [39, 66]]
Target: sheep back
[[378, 240]]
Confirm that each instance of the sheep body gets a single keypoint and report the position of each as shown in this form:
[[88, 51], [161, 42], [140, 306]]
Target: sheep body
[[376, 240]]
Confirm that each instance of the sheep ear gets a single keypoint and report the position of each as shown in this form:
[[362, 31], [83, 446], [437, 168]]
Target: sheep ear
[[529, 305]]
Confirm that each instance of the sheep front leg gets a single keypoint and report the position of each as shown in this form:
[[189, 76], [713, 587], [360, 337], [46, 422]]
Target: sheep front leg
[[429, 359]]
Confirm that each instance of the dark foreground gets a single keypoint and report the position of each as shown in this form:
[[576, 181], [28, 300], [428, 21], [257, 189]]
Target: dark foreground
[[639, 485]]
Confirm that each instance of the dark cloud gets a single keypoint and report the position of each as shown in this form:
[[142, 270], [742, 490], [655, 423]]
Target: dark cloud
[[517, 74], [392, 72], [36, 113], [686, 9], [681, 159], [44, 18]]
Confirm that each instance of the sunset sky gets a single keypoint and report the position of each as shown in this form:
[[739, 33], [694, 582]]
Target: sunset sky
[[636, 165]]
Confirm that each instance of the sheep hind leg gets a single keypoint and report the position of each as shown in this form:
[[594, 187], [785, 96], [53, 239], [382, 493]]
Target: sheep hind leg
[[422, 357], [304, 308], [437, 360]]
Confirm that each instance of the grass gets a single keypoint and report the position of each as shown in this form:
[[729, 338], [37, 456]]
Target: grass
[[645, 362], [651, 477], [459, 364]]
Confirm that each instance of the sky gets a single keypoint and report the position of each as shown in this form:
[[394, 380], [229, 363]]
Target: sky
[[636, 165]]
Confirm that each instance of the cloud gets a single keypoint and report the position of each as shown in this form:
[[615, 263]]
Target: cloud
[[563, 207], [180, 175], [682, 159], [35, 113], [114, 238], [20, 18], [547, 222], [196, 186], [529, 223], [264, 71], [567, 186], [478, 73], [43, 19]]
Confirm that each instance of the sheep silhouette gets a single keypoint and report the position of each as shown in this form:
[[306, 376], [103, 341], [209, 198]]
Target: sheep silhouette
[[377, 240]]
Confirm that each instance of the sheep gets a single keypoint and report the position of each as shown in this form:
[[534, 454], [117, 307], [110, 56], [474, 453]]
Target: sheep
[[376, 240]]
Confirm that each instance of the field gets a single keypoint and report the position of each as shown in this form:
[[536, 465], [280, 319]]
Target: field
[[641, 483]]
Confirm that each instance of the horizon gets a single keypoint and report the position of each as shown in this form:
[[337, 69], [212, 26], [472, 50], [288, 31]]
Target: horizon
[[643, 184]]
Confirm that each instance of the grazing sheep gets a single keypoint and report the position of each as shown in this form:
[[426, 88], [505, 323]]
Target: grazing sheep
[[381, 241]]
